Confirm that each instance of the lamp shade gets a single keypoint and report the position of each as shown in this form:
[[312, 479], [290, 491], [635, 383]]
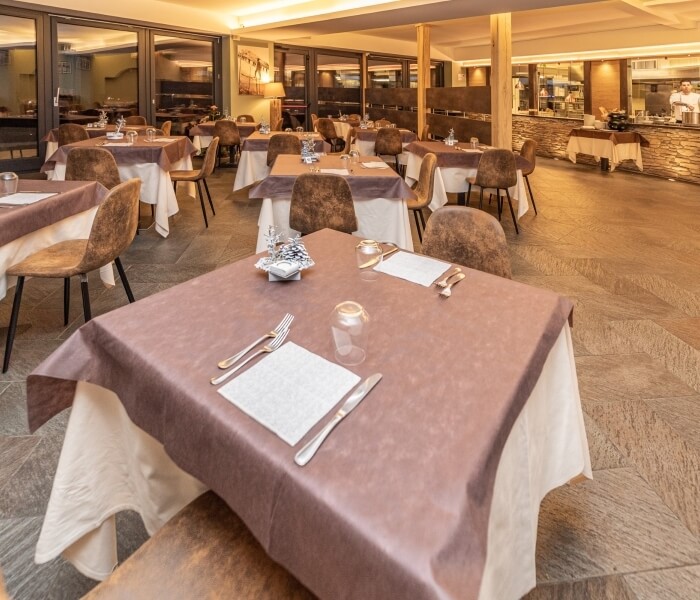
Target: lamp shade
[[274, 90]]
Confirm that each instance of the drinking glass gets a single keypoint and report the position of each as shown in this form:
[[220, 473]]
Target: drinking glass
[[368, 252], [8, 183], [150, 134], [350, 333], [474, 142], [131, 137]]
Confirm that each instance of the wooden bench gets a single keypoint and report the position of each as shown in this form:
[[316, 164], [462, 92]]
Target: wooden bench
[[204, 552]]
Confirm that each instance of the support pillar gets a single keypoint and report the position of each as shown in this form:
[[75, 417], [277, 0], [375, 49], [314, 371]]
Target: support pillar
[[501, 74], [423, 54]]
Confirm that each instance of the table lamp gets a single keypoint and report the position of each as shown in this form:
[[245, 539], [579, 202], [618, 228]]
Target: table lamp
[[275, 91]]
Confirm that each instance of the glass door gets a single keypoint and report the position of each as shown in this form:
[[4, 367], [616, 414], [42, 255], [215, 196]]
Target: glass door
[[291, 70], [339, 84]]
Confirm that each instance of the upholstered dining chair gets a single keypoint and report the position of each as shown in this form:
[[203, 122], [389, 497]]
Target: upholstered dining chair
[[92, 164], [388, 143], [69, 133], [200, 176], [424, 190], [282, 143], [321, 200], [382, 123], [229, 137], [136, 120], [113, 229], [528, 152], [245, 119], [468, 237], [314, 121], [497, 171], [166, 127], [327, 130]]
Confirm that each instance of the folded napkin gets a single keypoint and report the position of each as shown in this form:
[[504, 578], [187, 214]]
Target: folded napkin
[[117, 144], [289, 391], [413, 267], [22, 198], [469, 149], [163, 140], [343, 172], [377, 164]]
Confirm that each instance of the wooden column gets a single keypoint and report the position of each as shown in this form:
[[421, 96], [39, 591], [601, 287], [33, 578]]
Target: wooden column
[[534, 95], [423, 54], [501, 72]]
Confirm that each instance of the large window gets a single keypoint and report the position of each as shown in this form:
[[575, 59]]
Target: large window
[[560, 89], [655, 78], [384, 73], [339, 84]]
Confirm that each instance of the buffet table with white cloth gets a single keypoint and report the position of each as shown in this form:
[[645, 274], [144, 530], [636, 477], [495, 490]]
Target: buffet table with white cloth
[[149, 161], [379, 197], [613, 146], [430, 488], [454, 165]]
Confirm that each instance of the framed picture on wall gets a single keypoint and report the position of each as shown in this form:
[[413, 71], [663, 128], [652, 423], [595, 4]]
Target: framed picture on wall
[[4, 58], [84, 63], [64, 68], [253, 70]]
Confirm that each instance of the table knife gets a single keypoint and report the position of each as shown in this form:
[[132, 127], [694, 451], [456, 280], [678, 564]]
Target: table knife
[[374, 261], [307, 452]]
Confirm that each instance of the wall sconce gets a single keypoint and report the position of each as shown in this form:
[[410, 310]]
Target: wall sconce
[[274, 91]]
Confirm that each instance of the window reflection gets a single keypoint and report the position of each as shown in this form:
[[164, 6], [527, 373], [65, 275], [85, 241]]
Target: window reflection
[[339, 85]]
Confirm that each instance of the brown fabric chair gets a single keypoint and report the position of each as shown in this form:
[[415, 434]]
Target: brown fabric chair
[[92, 164], [245, 118], [425, 134], [166, 127], [69, 133], [229, 137], [424, 190], [319, 201], [314, 121], [382, 123], [528, 152], [388, 143], [469, 237], [205, 552], [282, 143], [200, 175], [136, 120], [354, 120], [111, 234], [496, 171], [327, 130]]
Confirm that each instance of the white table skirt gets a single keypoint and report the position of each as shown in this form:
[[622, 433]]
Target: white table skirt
[[201, 141], [454, 180], [381, 219], [107, 464], [252, 167], [366, 148], [615, 153]]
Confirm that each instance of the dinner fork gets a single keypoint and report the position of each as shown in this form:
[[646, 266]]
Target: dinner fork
[[447, 292], [283, 324], [271, 347], [443, 282]]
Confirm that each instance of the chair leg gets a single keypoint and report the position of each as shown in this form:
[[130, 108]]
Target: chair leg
[[125, 281], [512, 212], [13, 323], [420, 234], [466, 199], [218, 156], [532, 198], [206, 187], [201, 201], [422, 218], [66, 299], [86, 296], [481, 198], [175, 186]]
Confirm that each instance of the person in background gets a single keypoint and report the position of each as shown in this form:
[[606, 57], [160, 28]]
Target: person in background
[[685, 100]]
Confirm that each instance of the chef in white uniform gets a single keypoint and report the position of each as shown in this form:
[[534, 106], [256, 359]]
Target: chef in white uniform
[[685, 100]]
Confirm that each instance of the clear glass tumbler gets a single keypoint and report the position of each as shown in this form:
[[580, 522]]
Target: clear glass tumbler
[[350, 333], [8, 183], [150, 134], [368, 254]]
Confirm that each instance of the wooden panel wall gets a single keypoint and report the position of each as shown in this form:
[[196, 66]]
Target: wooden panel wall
[[605, 86]]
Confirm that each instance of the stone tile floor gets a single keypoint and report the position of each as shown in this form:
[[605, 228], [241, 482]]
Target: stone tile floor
[[624, 247]]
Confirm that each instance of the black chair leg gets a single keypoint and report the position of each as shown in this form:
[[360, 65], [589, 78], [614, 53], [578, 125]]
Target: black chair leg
[[13, 323], [532, 198], [66, 299], [466, 199], [175, 186], [201, 201], [206, 187], [125, 281], [86, 296], [420, 234], [422, 218], [481, 198], [512, 212]]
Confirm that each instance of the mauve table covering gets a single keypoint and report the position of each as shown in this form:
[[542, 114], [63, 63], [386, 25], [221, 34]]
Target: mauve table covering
[[396, 503], [93, 132], [453, 156], [258, 142], [370, 135], [207, 129]]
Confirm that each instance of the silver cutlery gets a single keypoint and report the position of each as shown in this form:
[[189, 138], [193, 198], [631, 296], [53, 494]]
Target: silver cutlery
[[307, 452], [283, 324], [443, 282], [374, 261], [271, 347], [455, 279]]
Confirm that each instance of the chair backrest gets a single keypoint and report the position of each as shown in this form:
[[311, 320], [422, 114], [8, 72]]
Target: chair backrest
[[92, 164], [322, 200], [114, 227], [326, 128], [528, 152], [314, 120], [69, 133], [388, 141], [282, 143], [497, 169], [469, 237], [426, 181], [209, 161], [227, 132], [382, 123], [245, 118], [166, 127], [136, 120], [425, 134]]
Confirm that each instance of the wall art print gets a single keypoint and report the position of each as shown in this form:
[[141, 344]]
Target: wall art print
[[253, 70]]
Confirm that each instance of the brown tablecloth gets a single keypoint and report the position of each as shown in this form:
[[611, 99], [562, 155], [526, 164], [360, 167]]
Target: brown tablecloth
[[72, 197], [370, 135], [207, 128], [364, 183], [93, 132], [165, 154], [258, 142], [396, 503], [616, 137], [454, 156]]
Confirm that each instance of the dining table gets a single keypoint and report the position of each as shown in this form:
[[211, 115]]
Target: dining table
[[150, 161], [366, 138], [252, 164], [379, 197], [454, 164], [607, 146], [45, 213], [51, 138], [202, 133], [430, 489]]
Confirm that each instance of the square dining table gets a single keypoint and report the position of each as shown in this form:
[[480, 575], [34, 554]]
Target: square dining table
[[202, 133], [366, 138], [51, 138], [429, 489], [149, 161], [65, 215], [379, 197], [607, 146], [454, 165]]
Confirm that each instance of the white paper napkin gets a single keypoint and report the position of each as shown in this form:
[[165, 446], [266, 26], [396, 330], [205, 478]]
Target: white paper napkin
[[289, 391], [377, 164], [343, 172], [117, 144], [23, 198], [162, 140], [413, 267]]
